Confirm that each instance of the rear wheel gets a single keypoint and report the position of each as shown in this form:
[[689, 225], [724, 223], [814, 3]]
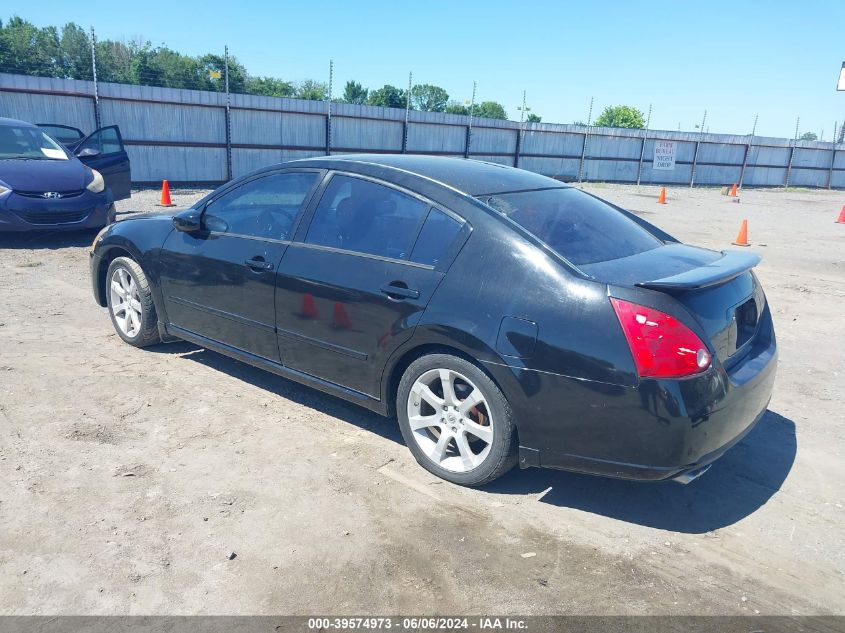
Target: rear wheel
[[130, 303], [455, 420]]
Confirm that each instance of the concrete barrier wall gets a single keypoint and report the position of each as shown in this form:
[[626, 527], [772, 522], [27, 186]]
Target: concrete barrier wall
[[186, 136]]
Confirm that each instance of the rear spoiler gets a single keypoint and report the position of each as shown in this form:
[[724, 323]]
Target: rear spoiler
[[731, 265]]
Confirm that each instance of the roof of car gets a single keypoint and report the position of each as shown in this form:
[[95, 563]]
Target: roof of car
[[472, 177], [15, 122]]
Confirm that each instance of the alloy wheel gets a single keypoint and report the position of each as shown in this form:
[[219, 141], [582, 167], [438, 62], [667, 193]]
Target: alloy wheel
[[125, 302], [450, 420]]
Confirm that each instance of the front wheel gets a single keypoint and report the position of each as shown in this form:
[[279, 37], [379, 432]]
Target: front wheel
[[455, 420], [130, 302]]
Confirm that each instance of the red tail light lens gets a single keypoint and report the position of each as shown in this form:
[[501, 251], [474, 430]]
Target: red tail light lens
[[662, 346]]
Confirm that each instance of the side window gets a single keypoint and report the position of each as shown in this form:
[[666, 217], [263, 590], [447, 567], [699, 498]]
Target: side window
[[265, 207], [365, 217], [105, 141], [437, 235]]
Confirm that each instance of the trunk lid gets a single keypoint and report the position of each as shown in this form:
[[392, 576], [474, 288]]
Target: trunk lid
[[717, 288]]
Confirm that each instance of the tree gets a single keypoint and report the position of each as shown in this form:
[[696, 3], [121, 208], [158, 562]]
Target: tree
[[808, 136], [355, 93], [387, 97], [75, 46], [533, 118], [312, 89], [490, 110], [429, 98], [26, 49], [453, 107], [269, 87], [621, 116]]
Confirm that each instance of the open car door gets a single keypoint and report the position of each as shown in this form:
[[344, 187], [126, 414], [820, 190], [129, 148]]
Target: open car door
[[64, 134], [103, 150]]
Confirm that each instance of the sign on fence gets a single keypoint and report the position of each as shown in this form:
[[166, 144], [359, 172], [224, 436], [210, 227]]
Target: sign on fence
[[664, 155]]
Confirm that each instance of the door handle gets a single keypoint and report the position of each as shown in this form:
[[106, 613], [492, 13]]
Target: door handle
[[397, 292], [258, 264]]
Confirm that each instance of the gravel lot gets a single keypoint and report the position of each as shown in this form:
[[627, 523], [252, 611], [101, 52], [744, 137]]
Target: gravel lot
[[129, 477]]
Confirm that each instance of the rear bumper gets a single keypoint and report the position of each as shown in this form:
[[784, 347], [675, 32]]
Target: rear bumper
[[655, 431], [85, 211]]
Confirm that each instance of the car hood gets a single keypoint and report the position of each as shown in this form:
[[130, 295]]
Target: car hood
[[44, 175]]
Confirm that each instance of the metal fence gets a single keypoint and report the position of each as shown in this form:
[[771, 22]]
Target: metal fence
[[197, 137]]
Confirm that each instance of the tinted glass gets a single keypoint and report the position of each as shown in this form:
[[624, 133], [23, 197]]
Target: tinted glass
[[365, 217], [580, 228], [29, 143], [437, 235], [63, 135], [265, 207], [105, 141]]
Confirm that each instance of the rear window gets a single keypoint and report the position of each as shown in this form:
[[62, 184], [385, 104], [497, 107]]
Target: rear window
[[580, 228]]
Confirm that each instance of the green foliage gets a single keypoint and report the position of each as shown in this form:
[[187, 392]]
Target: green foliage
[[533, 118], [453, 107], [485, 109], [49, 52], [621, 116], [808, 136], [429, 98], [355, 93], [313, 90], [388, 97], [490, 110]]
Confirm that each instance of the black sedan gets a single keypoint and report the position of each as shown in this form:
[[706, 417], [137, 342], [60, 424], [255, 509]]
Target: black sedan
[[502, 316], [52, 177]]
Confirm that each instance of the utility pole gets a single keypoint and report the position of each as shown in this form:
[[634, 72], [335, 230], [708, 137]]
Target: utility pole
[[584, 146], [407, 113], [97, 118], [697, 145], [469, 127], [228, 116], [329, 110], [520, 136]]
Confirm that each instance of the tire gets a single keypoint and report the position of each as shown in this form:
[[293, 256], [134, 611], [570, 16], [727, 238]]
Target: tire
[[136, 323], [480, 443]]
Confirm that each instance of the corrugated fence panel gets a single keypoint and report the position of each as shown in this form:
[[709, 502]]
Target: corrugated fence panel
[[613, 147], [304, 130], [492, 141], [250, 127], [366, 134], [142, 121], [565, 169], [425, 137], [179, 164], [501, 160], [181, 135], [551, 144], [769, 156], [77, 112]]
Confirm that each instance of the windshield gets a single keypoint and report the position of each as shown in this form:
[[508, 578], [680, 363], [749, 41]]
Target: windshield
[[580, 228], [19, 142]]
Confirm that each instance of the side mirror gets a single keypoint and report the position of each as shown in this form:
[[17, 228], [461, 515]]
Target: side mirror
[[188, 221], [87, 152]]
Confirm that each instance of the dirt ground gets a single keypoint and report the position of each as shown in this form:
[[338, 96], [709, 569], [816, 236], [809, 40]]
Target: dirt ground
[[129, 478]]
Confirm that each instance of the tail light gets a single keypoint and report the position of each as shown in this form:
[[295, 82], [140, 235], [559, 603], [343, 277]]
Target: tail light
[[662, 346]]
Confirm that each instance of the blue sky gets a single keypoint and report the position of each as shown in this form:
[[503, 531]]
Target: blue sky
[[777, 59]]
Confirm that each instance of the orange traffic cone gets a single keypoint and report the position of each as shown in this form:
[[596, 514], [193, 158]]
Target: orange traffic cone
[[742, 236], [733, 191], [661, 199], [165, 195], [841, 219], [340, 318], [309, 308]]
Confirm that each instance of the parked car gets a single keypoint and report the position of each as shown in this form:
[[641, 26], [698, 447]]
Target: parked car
[[503, 316], [70, 182]]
